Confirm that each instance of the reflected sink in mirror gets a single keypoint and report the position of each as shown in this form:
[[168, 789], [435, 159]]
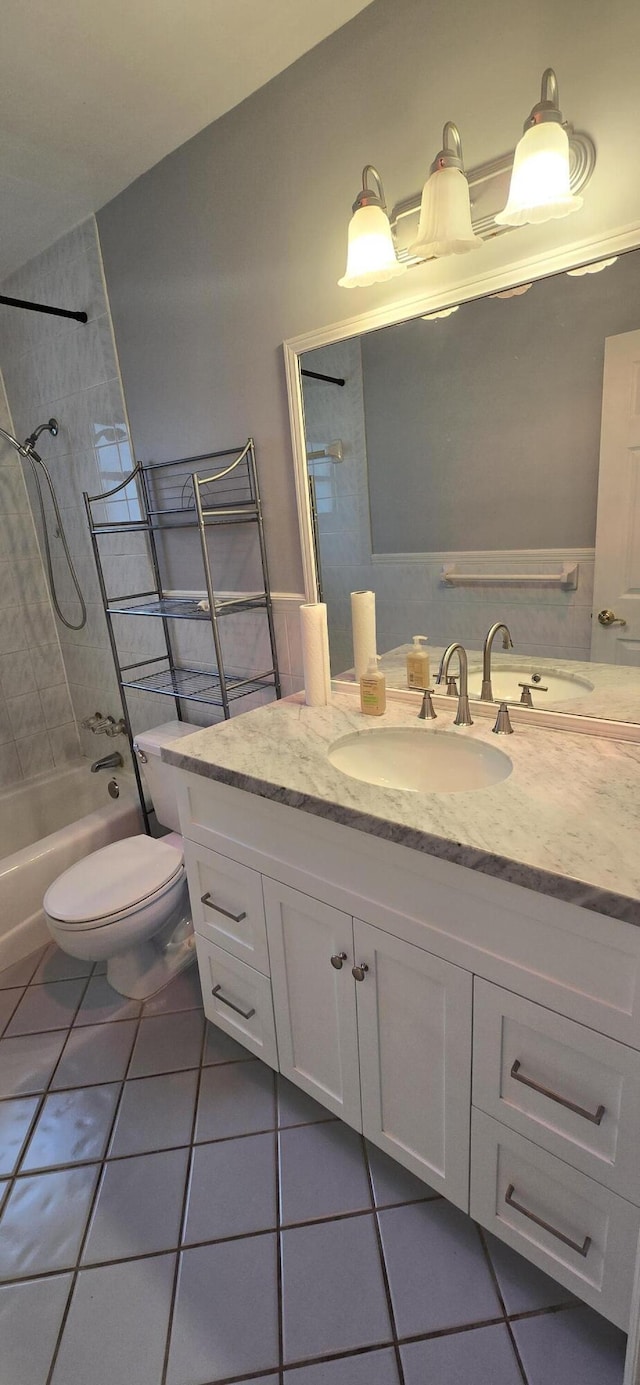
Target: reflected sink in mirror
[[548, 688], [419, 760]]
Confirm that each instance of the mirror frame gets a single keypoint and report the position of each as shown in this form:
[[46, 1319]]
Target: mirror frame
[[464, 290]]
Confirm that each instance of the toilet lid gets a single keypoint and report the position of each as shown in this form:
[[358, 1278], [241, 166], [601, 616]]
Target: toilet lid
[[113, 879]]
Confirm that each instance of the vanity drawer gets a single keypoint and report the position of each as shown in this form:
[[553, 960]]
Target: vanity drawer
[[580, 1233], [227, 904], [238, 999], [569, 1089]]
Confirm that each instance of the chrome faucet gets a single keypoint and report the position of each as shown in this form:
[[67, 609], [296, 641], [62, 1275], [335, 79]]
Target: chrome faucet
[[113, 761], [463, 715], [486, 693]]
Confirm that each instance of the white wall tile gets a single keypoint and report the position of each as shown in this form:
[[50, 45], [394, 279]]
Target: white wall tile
[[34, 754]]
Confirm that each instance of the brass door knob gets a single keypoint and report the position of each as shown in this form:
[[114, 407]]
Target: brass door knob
[[338, 959], [610, 618]]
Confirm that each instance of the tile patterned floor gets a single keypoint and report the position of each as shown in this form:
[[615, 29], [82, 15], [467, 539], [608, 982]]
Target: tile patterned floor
[[174, 1215]]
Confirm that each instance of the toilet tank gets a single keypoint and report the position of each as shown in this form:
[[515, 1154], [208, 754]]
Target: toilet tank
[[160, 778]]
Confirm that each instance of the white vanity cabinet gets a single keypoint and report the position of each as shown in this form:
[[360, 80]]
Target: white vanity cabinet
[[311, 951], [377, 1030], [486, 1036]]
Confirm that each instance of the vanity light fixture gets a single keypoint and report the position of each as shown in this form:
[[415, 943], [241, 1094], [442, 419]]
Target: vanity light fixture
[[371, 254], [445, 210], [540, 180], [458, 209]]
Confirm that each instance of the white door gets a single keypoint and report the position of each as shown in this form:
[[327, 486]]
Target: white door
[[414, 1028], [311, 952], [617, 569]]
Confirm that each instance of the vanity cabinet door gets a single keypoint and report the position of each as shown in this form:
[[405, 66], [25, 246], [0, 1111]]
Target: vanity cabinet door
[[414, 1029], [314, 997]]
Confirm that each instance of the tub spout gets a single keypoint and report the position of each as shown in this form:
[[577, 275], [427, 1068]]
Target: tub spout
[[113, 761]]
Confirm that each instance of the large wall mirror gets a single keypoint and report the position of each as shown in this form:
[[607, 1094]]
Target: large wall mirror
[[480, 463]]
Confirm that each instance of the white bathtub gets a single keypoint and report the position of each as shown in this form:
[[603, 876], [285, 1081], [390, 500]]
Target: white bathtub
[[45, 826]]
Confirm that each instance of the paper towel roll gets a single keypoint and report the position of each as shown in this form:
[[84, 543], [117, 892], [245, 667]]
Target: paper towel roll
[[363, 622], [315, 654]]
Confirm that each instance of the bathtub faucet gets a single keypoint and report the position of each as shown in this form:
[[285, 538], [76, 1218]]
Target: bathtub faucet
[[113, 761]]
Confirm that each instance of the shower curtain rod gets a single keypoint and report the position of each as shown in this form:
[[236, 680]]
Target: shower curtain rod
[[41, 308], [330, 379]]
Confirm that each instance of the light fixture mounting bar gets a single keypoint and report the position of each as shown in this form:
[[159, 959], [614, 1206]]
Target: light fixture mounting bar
[[488, 184]]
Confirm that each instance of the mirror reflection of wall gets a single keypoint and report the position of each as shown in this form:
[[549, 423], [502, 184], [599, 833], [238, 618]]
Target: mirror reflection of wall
[[470, 441]]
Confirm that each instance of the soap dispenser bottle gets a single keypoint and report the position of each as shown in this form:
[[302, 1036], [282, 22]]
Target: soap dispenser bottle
[[373, 690], [418, 667]]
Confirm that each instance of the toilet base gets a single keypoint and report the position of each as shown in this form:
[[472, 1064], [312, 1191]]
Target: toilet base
[[141, 971]]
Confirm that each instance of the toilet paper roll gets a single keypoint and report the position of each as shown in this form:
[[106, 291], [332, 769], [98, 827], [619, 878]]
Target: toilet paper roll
[[363, 622], [315, 654]]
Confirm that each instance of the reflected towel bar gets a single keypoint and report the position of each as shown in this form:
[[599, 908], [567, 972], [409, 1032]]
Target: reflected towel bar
[[567, 578]]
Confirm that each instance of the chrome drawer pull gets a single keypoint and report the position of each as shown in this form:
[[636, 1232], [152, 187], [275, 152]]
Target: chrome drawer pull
[[246, 1014], [235, 918], [559, 1235], [594, 1116]]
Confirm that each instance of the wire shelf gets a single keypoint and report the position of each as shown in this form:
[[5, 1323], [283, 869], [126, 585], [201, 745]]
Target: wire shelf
[[198, 685], [186, 608], [224, 481], [214, 488]]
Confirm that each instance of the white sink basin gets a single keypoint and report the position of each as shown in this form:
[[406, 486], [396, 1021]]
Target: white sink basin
[[420, 760], [506, 681]]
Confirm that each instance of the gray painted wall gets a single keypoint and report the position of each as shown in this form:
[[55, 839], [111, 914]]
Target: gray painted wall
[[236, 240], [483, 429]]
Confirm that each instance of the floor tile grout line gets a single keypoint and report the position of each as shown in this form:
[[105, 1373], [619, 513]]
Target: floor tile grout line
[[498, 1289], [108, 1158], [23, 992], [526, 1313], [80, 1086], [279, 1246], [220, 1240], [28, 987], [42, 1096], [93, 1202], [383, 1264], [185, 1205], [39, 956]]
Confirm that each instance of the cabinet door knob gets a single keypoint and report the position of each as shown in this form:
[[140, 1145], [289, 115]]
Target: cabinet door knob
[[337, 960], [360, 971]]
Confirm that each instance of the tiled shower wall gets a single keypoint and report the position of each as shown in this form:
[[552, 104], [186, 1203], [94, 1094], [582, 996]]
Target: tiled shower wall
[[69, 370], [54, 367], [37, 729], [411, 598]]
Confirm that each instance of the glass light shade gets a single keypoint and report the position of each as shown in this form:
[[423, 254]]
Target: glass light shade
[[371, 256], [595, 268], [445, 216], [442, 312], [540, 188]]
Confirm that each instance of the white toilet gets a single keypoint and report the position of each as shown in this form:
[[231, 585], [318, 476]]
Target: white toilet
[[128, 902]]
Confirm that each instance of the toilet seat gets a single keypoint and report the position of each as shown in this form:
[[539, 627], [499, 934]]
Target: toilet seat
[[114, 882]]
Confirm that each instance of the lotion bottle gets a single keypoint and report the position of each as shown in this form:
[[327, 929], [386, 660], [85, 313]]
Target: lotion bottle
[[418, 667], [373, 690]]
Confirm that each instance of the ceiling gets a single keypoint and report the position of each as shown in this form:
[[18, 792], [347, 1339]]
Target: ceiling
[[94, 92]]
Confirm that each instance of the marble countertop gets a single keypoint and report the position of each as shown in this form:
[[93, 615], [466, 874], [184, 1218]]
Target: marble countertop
[[611, 691], [566, 822]]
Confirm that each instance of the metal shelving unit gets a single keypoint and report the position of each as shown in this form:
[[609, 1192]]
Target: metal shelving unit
[[203, 493]]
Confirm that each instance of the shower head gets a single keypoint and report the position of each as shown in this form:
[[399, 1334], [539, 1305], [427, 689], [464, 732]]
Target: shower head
[[50, 427]]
